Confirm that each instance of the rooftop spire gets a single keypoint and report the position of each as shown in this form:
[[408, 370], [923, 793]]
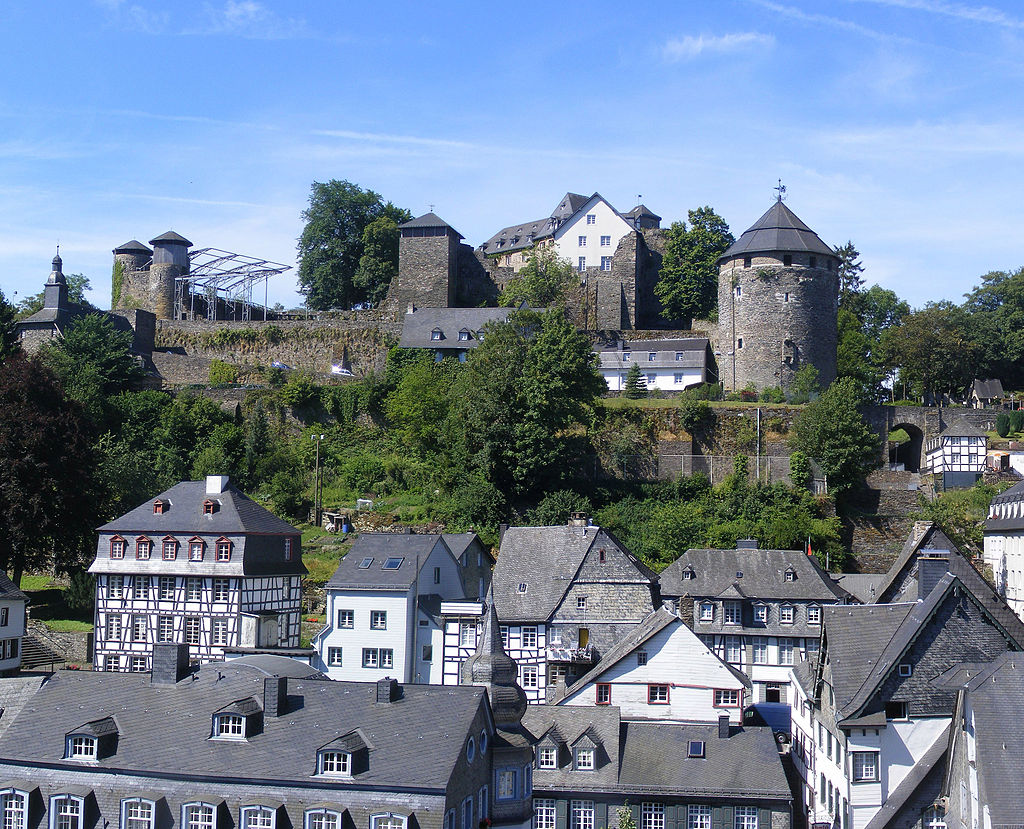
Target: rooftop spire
[[496, 671], [780, 191]]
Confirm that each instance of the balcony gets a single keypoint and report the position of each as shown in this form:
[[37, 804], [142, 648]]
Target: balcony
[[558, 653]]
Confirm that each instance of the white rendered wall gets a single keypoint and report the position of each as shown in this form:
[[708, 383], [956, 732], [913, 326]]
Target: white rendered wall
[[352, 640], [606, 223], [664, 379]]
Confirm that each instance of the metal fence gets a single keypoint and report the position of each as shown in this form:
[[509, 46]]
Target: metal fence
[[767, 469]]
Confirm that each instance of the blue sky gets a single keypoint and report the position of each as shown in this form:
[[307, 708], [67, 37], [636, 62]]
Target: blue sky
[[894, 123]]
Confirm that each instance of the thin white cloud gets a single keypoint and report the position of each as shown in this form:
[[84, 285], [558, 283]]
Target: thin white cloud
[[182, 200], [975, 14], [794, 13], [929, 142], [690, 46], [441, 143], [250, 19]]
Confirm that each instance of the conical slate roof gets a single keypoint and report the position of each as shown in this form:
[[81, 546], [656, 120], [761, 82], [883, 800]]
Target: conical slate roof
[[428, 220], [171, 238], [780, 229], [495, 670], [134, 246]]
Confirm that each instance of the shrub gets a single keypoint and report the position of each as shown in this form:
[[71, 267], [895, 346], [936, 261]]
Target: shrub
[[1003, 424], [1016, 420], [799, 470], [773, 394], [694, 415], [222, 373], [300, 392], [555, 507]]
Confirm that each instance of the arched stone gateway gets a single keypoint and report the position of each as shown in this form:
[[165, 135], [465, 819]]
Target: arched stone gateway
[[908, 455], [922, 423]]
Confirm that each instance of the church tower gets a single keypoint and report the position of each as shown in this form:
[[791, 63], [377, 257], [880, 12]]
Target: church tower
[[493, 669], [778, 299]]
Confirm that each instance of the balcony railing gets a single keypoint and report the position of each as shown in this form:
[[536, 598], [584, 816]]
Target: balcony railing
[[557, 653]]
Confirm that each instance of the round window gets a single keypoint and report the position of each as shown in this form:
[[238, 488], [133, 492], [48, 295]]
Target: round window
[[483, 742]]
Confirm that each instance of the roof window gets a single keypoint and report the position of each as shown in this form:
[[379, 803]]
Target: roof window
[[365, 563], [392, 563], [695, 748], [160, 506], [210, 506]]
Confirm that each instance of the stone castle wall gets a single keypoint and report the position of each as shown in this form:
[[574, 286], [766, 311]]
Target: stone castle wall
[[785, 318]]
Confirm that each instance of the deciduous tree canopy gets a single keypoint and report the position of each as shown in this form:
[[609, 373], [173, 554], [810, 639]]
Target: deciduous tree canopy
[[688, 282]]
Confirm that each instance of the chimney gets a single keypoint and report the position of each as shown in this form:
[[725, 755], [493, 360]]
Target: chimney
[[501, 532], [170, 663], [577, 519], [746, 544], [216, 484], [275, 696], [388, 690], [932, 565], [723, 726]]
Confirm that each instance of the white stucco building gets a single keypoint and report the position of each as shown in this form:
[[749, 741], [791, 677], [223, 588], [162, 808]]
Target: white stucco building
[[958, 455], [1004, 545], [665, 365]]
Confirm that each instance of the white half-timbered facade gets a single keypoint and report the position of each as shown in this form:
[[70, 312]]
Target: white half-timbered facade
[[958, 455], [201, 565]]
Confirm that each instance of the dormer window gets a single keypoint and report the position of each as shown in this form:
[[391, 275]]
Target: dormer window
[[787, 614], [707, 612], [584, 759], [547, 757], [80, 747], [210, 506], [436, 334], [464, 335], [522, 587], [259, 817], [230, 726], [761, 613], [196, 549], [335, 762], [223, 549], [143, 549], [790, 574], [117, 546], [689, 574], [160, 507], [814, 614], [170, 548], [480, 335]]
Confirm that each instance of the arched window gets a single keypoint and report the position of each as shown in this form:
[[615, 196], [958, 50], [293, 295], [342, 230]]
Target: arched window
[[322, 819], [258, 817], [229, 726], [387, 820], [14, 804], [137, 813], [198, 815], [66, 811]]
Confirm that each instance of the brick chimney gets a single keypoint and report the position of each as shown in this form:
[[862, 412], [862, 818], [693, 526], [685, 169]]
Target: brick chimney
[[170, 663], [275, 696]]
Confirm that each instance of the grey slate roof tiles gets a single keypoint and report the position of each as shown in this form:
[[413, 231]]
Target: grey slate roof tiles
[[411, 548], [779, 229], [988, 389], [962, 428], [419, 326], [170, 237], [429, 220], [166, 729]]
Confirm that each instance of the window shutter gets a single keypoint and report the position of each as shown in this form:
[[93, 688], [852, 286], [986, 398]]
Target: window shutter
[[670, 816], [635, 811], [600, 814], [716, 818], [560, 806], [764, 819], [727, 817]]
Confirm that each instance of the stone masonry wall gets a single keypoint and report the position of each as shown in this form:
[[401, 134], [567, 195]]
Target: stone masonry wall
[[785, 317]]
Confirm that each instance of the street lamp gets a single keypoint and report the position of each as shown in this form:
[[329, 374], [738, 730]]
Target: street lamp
[[316, 481]]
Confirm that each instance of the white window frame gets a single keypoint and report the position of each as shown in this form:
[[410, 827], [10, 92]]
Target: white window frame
[[113, 627], [864, 768], [321, 819], [115, 587], [606, 263], [138, 820], [745, 817], [529, 677], [581, 813], [584, 759], [63, 818], [726, 698], [193, 630], [378, 620], [81, 747], [547, 757], [257, 817], [346, 618], [196, 552], [193, 589], [165, 588], [530, 637], [219, 632], [544, 816], [582, 241], [229, 726], [698, 816], [787, 614], [334, 657], [334, 763], [732, 613], [652, 816], [787, 651], [138, 664], [733, 648], [467, 634], [198, 814], [814, 614], [591, 218], [221, 589], [760, 650], [706, 612], [761, 613], [606, 241]]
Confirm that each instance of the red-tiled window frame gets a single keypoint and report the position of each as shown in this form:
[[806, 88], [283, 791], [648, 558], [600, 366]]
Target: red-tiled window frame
[[193, 542], [651, 692], [117, 547], [603, 693], [224, 549], [143, 543], [169, 548]]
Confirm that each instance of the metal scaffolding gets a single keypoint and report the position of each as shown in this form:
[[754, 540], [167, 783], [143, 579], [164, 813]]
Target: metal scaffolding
[[219, 276]]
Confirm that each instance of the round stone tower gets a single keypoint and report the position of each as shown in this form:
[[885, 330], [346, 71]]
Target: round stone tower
[[778, 297], [130, 281], [170, 260]]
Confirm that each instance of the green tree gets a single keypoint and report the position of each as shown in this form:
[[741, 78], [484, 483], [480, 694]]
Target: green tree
[[688, 282], [516, 398], [864, 316], [78, 284], [996, 308], [544, 280], [47, 496], [805, 384], [1002, 424], [636, 385], [418, 406], [332, 242], [850, 270], [556, 507], [933, 350], [8, 334], [800, 470], [222, 373], [832, 431], [379, 263]]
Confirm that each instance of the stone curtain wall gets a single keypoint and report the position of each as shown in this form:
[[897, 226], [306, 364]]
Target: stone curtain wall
[[781, 312], [313, 345]]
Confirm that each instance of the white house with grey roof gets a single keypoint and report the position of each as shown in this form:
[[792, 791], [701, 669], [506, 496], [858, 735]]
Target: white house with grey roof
[[759, 610], [201, 564], [957, 453], [257, 743], [449, 332], [564, 595], [585, 231], [661, 671], [1004, 545], [13, 620], [384, 605], [665, 365]]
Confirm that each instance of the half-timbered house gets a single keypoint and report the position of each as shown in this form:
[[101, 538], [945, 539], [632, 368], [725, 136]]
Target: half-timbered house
[[201, 564]]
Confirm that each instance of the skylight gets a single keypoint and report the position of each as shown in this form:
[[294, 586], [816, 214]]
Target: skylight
[[695, 748], [392, 563], [365, 563]]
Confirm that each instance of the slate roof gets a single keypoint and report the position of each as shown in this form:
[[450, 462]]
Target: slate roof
[[8, 589], [547, 560], [238, 513], [862, 586], [763, 575], [170, 237], [651, 758], [641, 211], [15, 692], [418, 327], [524, 234], [900, 796], [416, 740], [134, 246], [996, 697], [412, 548], [962, 428], [988, 389], [651, 626], [1013, 495], [693, 352], [780, 229], [459, 542], [429, 220], [924, 535]]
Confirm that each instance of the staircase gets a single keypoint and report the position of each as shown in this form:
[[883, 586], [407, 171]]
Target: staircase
[[36, 652]]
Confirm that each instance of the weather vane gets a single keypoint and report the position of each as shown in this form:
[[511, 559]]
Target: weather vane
[[431, 208], [781, 190]]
